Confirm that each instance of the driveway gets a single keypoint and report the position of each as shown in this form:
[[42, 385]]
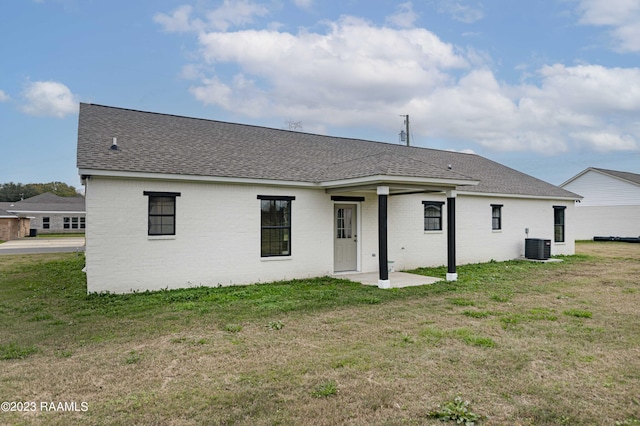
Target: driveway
[[42, 245]]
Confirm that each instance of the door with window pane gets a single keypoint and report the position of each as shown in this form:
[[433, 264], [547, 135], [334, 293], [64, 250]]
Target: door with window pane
[[345, 240]]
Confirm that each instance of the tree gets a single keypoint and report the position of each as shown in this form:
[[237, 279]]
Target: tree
[[17, 191], [294, 125]]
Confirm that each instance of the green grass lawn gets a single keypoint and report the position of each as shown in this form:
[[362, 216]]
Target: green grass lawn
[[525, 343]]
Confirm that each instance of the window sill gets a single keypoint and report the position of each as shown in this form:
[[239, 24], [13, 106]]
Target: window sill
[[160, 237], [496, 231], [274, 258], [559, 243], [434, 232]]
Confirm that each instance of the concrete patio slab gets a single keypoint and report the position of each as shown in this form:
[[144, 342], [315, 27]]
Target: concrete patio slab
[[398, 279]]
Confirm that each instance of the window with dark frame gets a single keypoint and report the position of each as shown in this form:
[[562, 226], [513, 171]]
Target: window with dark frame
[[66, 222], [558, 224], [275, 225], [162, 213], [496, 216], [433, 215], [46, 222]]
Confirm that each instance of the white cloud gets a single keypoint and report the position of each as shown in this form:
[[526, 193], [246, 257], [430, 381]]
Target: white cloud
[[178, 21], [303, 4], [353, 67], [49, 98], [355, 73], [622, 16], [3, 96], [461, 11], [404, 17], [231, 13], [607, 140]]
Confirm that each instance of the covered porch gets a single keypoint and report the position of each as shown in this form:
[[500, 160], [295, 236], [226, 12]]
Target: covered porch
[[390, 186]]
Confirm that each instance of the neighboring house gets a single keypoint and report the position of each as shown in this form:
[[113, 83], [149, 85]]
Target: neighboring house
[[12, 227], [179, 202], [50, 213], [611, 203]]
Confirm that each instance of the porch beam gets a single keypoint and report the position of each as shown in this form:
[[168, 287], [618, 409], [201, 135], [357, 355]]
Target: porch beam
[[452, 275], [383, 195]]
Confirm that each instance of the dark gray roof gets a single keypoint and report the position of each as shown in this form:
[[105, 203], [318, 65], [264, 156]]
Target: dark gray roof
[[48, 202], [631, 177], [161, 143]]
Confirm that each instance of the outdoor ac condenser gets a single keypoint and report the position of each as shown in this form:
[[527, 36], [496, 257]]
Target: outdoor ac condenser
[[536, 248]]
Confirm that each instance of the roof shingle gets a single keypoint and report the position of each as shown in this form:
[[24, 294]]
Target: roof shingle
[[161, 143], [48, 202]]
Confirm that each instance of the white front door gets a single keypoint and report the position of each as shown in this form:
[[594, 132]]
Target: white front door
[[345, 240]]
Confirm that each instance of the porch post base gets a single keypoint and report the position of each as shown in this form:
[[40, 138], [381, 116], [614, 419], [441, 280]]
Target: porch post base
[[384, 284], [452, 276]]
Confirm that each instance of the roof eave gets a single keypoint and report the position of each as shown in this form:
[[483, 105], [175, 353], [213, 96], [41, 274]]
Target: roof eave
[[527, 196], [88, 173], [367, 180], [382, 180]]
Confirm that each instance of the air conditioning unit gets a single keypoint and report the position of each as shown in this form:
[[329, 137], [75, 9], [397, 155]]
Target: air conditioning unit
[[536, 248]]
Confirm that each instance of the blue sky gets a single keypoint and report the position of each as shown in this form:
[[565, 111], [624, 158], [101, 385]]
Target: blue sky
[[547, 87]]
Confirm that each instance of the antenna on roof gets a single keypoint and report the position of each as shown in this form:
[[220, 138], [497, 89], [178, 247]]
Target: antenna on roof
[[404, 135], [114, 144]]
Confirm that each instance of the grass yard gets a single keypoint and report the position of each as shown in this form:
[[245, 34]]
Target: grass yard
[[525, 343]]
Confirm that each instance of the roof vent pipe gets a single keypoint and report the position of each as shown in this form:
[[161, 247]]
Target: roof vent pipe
[[114, 144]]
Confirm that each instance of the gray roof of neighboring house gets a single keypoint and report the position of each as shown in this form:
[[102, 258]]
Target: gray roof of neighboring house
[[161, 143], [631, 177], [48, 202], [5, 214]]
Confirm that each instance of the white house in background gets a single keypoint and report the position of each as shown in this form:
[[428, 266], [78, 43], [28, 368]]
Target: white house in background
[[611, 203], [176, 202]]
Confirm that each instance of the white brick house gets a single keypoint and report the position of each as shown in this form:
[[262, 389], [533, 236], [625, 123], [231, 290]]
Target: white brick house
[[176, 202], [611, 203]]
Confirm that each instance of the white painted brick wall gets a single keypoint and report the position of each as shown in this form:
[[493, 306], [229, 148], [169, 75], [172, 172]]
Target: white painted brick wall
[[217, 239], [411, 247]]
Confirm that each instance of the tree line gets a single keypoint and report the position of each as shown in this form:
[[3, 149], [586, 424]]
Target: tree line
[[18, 191]]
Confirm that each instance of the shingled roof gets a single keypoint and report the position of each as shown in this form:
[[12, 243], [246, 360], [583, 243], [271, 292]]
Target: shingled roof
[[6, 215], [48, 202], [628, 176], [168, 144]]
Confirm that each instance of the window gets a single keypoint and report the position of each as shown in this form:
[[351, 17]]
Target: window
[[162, 212], [46, 222], [558, 223], [275, 225], [70, 222], [82, 223], [432, 215], [496, 216], [344, 223]]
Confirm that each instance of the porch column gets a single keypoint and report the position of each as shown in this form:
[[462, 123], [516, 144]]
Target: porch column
[[383, 281], [452, 275]]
